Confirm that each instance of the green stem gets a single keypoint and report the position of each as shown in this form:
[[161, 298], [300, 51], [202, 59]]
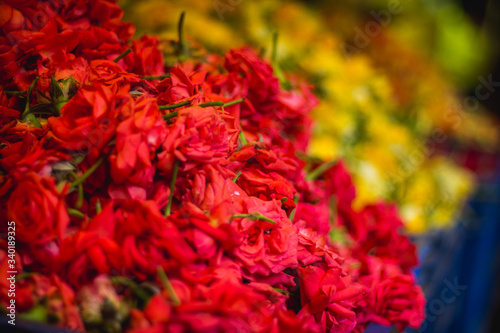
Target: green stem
[[242, 138], [215, 103], [235, 179], [88, 172], [98, 206], [166, 117], [24, 276], [122, 55], [275, 47], [182, 50], [129, 283], [172, 188], [169, 116], [234, 102], [174, 106], [75, 212], [16, 93], [220, 103], [332, 203], [295, 201], [320, 170], [79, 200], [166, 283], [256, 216], [276, 67], [155, 77], [284, 292]]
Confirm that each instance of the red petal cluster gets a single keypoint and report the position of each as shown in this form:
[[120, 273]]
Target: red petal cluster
[[194, 213]]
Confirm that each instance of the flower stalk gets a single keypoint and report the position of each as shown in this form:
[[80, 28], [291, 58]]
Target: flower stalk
[[174, 106], [320, 170], [122, 55], [254, 217], [172, 188], [155, 77], [170, 289], [88, 172]]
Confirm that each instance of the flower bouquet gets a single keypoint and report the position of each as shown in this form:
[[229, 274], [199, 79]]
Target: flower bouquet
[[144, 197], [398, 134]]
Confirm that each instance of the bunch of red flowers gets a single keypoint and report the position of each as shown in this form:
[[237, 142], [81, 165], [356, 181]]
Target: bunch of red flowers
[[149, 198]]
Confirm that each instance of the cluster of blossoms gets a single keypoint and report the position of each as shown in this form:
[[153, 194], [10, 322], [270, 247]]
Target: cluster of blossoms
[[150, 198]]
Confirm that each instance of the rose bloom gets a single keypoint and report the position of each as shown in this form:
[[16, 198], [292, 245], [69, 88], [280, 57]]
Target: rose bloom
[[149, 240], [220, 307], [89, 120], [328, 296], [199, 136], [394, 298], [29, 155], [265, 173], [110, 73], [61, 305], [137, 139], [87, 254], [209, 186], [384, 238], [38, 208], [180, 86], [146, 58], [268, 248]]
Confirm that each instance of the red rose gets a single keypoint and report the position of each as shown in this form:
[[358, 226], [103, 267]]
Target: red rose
[[91, 251], [87, 254], [146, 58], [394, 297], [329, 297], [384, 238], [338, 182], [199, 136], [268, 247], [110, 73], [99, 43], [137, 139], [206, 232], [28, 155], [39, 210], [46, 46], [61, 305], [316, 216], [89, 120], [210, 186], [263, 86], [179, 86], [314, 247], [149, 240], [266, 173]]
